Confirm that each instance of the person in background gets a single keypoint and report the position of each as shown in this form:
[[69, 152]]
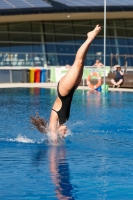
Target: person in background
[[68, 66], [98, 64], [66, 87], [119, 78]]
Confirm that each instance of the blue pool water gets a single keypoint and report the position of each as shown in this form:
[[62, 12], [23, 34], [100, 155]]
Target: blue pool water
[[94, 162]]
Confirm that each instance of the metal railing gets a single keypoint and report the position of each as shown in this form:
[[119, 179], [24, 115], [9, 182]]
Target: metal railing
[[117, 56]]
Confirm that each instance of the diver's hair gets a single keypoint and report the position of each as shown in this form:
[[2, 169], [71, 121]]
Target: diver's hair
[[39, 123]]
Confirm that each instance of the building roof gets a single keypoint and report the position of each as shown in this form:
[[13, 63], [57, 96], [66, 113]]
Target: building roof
[[12, 7]]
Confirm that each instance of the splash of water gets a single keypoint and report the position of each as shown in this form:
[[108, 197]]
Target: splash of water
[[23, 139]]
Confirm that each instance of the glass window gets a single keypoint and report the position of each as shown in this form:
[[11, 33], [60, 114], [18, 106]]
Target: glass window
[[4, 47], [50, 48], [20, 27], [122, 41], [65, 59], [52, 60], [98, 41], [17, 37], [3, 27], [119, 23], [63, 27], [129, 23], [37, 38], [69, 39], [130, 50], [50, 43], [49, 38], [37, 27], [129, 32], [112, 41], [108, 46], [37, 48], [48, 28], [65, 49], [20, 47], [123, 50], [79, 39], [4, 37], [81, 27], [81, 30], [38, 60], [107, 60], [90, 59], [121, 32], [111, 32]]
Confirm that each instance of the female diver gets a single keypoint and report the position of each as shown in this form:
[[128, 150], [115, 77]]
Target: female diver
[[65, 88]]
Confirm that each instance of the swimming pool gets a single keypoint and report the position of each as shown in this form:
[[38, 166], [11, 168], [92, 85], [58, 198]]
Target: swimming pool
[[94, 162]]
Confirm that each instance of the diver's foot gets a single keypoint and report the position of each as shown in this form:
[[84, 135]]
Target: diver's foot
[[62, 135], [92, 34]]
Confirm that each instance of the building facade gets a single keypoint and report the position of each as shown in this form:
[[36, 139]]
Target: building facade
[[52, 35]]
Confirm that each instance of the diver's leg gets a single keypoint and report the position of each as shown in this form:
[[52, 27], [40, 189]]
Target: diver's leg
[[74, 75]]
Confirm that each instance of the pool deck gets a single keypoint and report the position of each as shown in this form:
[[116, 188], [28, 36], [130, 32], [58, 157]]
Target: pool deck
[[51, 85]]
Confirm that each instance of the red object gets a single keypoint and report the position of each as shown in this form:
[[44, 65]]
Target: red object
[[37, 75]]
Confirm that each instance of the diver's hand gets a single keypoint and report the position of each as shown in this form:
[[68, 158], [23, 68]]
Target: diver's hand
[[62, 130]]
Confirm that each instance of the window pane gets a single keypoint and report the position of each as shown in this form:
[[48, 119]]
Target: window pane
[[20, 37], [108, 46], [3, 27], [131, 50], [129, 32], [65, 59], [65, 49], [48, 28], [121, 32], [38, 60], [90, 60], [63, 27], [37, 48], [64, 38], [112, 41], [123, 50], [107, 60], [4, 37], [79, 39], [21, 26], [129, 23], [49, 38], [111, 32], [37, 38], [119, 23], [122, 41], [50, 48], [36, 27], [81, 30], [4, 47], [98, 40], [52, 60], [20, 47]]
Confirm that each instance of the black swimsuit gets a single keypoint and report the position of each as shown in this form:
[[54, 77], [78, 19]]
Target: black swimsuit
[[64, 112]]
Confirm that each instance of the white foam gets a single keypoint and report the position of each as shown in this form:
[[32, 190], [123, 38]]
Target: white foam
[[23, 139]]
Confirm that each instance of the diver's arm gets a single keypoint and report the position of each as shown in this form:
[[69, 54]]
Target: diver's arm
[[53, 125]]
